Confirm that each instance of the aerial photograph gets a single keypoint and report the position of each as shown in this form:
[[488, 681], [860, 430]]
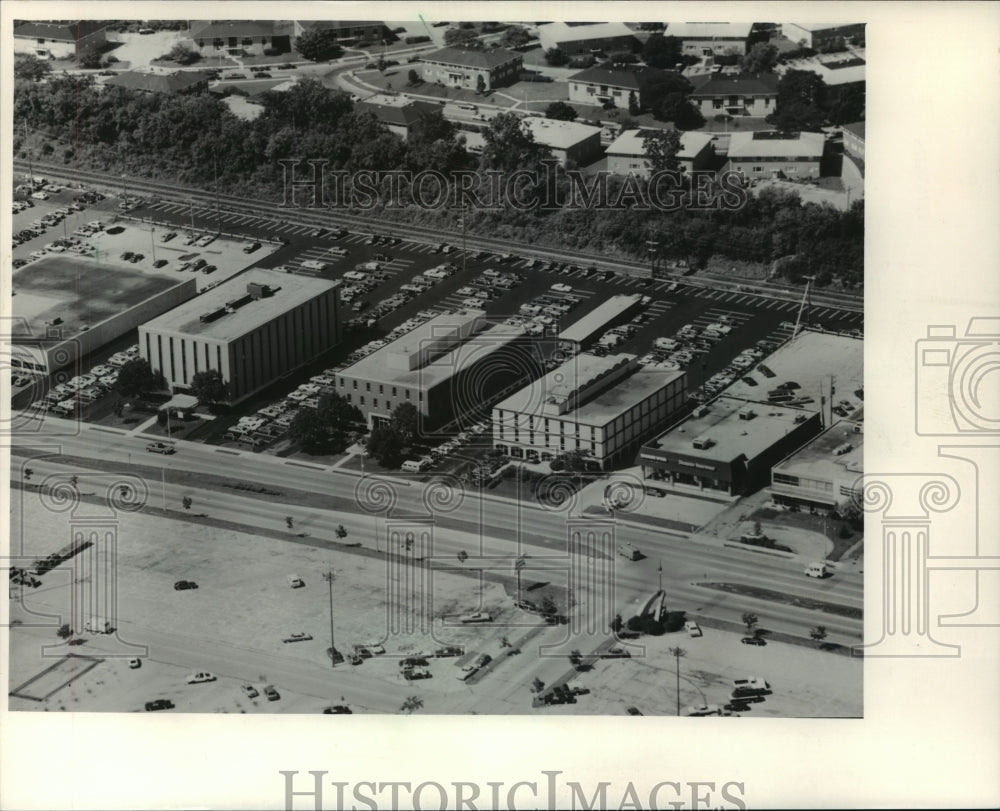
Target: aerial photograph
[[437, 368]]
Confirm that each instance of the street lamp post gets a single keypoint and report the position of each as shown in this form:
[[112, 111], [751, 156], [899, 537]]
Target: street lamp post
[[329, 578], [659, 570], [677, 653]]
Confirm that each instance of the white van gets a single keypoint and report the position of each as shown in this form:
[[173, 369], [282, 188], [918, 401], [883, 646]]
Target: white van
[[817, 569], [412, 466], [294, 581]]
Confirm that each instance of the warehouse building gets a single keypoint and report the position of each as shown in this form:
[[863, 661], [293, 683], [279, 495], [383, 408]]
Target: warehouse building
[[609, 313], [602, 407], [253, 329], [452, 365], [726, 447], [825, 473]]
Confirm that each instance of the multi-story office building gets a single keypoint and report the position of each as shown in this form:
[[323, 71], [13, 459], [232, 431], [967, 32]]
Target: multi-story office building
[[253, 329]]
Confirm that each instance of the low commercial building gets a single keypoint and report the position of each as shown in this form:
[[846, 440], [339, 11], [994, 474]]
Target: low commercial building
[[609, 313], [599, 85], [239, 37], [451, 365], [601, 407], [736, 95], [819, 35], [398, 113], [825, 473], [854, 139], [569, 141], [709, 39], [342, 29], [838, 71], [169, 83], [253, 329], [727, 447], [586, 38], [775, 154], [627, 153], [471, 68], [59, 40], [60, 316]]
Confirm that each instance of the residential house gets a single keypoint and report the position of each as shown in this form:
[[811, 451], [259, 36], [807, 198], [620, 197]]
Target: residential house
[[627, 153], [181, 81], [398, 113], [239, 37], [598, 85], [736, 95], [776, 154], [570, 141], [471, 68], [711, 39], [59, 40]]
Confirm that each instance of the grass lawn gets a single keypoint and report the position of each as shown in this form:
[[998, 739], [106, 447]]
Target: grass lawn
[[815, 523]]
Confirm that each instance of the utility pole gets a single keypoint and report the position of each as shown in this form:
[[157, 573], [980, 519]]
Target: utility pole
[[652, 247], [659, 570], [27, 151], [677, 653], [329, 578], [802, 306], [218, 210]]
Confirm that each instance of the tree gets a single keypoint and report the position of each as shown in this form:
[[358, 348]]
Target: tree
[[318, 45], [799, 104], [818, 633], [289, 522], [341, 532], [480, 83], [560, 111], [90, 57], [460, 36], [633, 104], [186, 501], [413, 78], [463, 556], [761, 58], [556, 57], [182, 54], [136, 377], [515, 37], [662, 52], [661, 148], [406, 420], [617, 624], [548, 606], [750, 620], [30, 67], [325, 428], [412, 703], [209, 387], [677, 108], [28, 473], [509, 146], [64, 632], [385, 445]]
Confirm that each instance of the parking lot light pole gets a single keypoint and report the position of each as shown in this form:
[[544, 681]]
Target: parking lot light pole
[[677, 653], [329, 578]]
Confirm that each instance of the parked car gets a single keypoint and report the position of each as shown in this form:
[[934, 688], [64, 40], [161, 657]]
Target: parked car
[[692, 628], [250, 691], [185, 585], [200, 677], [161, 447], [159, 263], [338, 709], [134, 663], [297, 636], [159, 704], [753, 640], [270, 693], [633, 711]]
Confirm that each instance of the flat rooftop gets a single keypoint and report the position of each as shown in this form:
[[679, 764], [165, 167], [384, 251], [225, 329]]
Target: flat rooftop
[[708, 30], [819, 458], [631, 143], [487, 337], [566, 32], [559, 134], [609, 402], [732, 436], [288, 291], [603, 314], [78, 290], [772, 144], [810, 359]]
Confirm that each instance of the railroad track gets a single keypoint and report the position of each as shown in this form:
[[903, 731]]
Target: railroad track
[[328, 218]]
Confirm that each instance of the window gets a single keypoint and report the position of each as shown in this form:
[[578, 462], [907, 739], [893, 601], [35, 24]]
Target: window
[[355, 384], [758, 169], [716, 104], [407, 394], [393, 391], [381, 389], [375, 403], [368, 386], [361, 399]]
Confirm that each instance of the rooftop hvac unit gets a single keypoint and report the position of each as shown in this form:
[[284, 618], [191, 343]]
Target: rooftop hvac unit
[[700, 411], [747, 414], [702, 443], [800, 418]]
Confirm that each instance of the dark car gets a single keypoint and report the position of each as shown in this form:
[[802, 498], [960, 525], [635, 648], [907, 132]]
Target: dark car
[[159, 704], [159, 263], [185, 585], [270, 693], [127, 256], [339, 709], [633, 711], [753, 640], [737, 706]]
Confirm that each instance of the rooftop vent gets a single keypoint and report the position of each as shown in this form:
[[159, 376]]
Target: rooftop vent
[[702, 442]]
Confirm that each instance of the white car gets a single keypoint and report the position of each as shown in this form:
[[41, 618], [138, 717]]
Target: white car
[[250, 691], [559, 287], [698, 710], [692, 628], [199, 677]]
